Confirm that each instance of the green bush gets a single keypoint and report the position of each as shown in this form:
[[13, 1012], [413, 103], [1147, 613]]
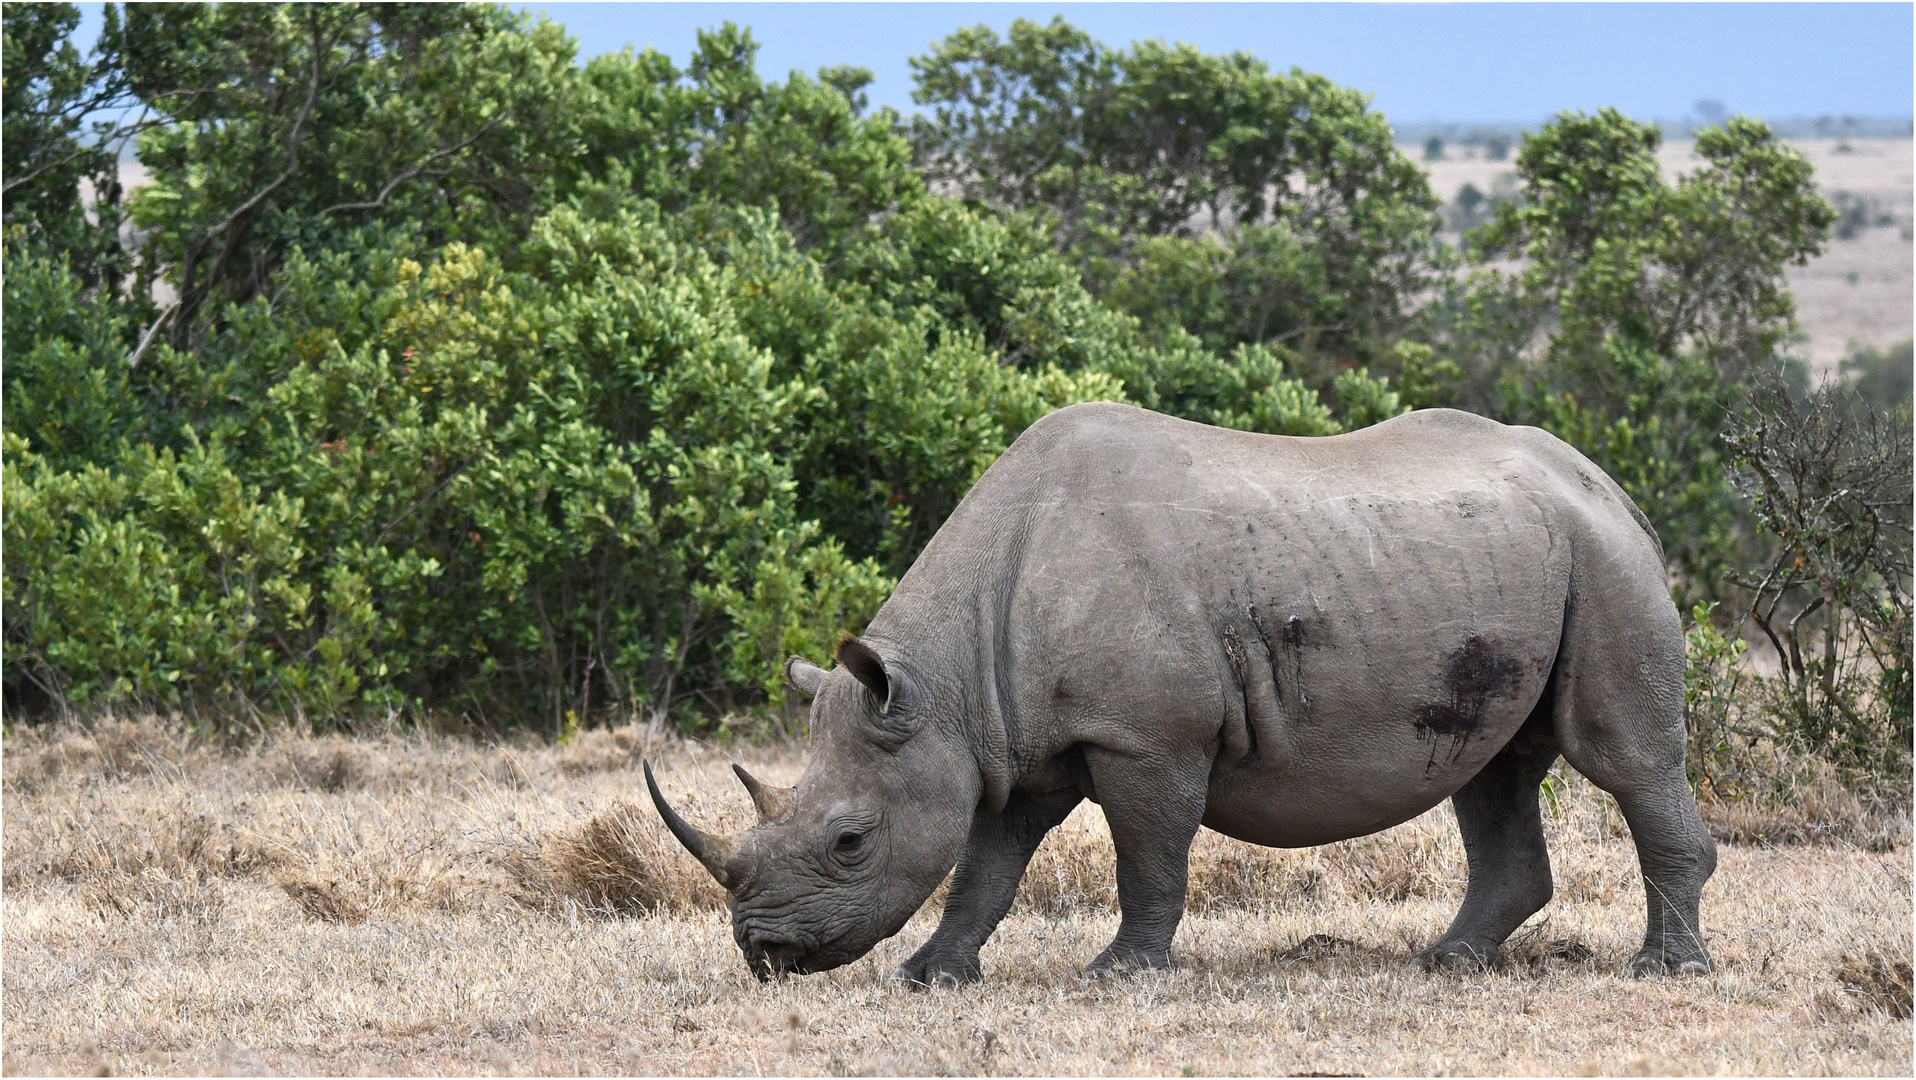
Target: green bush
[[519, 493], [1715, 706], [1205, 193]]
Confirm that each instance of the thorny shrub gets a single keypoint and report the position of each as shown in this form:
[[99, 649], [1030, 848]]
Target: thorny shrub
[[1830, 480]]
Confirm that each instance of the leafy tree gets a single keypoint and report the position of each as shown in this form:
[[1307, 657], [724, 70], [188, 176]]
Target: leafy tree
[[1641, 309], [288, 125], [1278, 200], [720, 134], [1617, 253], [50, 92]]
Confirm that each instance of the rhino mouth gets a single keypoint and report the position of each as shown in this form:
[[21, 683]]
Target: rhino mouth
[[771, 958]]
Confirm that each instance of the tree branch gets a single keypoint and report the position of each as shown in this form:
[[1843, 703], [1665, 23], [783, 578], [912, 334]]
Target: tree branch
[[292, 148], [415, 171], [146, 339]]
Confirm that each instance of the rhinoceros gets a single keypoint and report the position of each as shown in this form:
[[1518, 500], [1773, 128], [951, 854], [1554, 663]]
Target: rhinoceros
[[1291, 641]]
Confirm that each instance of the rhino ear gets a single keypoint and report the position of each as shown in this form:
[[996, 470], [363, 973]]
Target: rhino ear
[[863, 662], [804, 675]]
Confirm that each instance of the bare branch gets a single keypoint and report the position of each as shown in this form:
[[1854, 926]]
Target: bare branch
[[146, 339]]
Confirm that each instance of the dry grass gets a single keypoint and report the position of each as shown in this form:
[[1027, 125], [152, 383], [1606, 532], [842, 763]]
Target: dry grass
[[429, 904]]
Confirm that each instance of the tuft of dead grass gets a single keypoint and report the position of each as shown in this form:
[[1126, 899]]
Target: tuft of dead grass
[[1812, 812], [1881, 982], [1536, 948], [1318, 947], [439, 904], [618, 862], [117, 893], [324, 900]]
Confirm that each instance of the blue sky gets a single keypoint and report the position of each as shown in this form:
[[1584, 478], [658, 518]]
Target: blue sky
[[1422, 62]]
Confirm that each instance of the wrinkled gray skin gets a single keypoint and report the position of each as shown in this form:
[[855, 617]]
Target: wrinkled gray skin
[[1291, 641]]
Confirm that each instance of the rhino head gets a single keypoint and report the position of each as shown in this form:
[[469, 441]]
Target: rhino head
[[839, 863]]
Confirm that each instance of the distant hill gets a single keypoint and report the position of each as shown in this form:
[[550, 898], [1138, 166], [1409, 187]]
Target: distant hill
[[1473, 133]]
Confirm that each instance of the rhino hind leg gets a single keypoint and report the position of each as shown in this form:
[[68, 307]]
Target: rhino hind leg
[[1677, 857], [1621, 725], [1509, 862], [984, 885]]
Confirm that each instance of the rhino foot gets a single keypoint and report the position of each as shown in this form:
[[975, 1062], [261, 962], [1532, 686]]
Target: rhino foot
[[1113, 961], [1459, 957], [1651, 961], [923, 973]]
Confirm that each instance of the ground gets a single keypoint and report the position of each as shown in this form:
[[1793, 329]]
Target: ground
[[1858, 292], [444, 904]]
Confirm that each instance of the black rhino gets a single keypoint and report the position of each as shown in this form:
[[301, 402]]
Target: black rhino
[[1289, 640]]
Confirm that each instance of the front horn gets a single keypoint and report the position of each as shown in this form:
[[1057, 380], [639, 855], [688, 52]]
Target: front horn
[[711, 851], [773, 802]]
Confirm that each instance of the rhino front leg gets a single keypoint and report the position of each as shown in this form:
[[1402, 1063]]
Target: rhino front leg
[[984, 885], [1153, 807], [1509, 863]]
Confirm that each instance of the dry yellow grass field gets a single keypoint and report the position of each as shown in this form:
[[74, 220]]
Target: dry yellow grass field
[[428, 905]]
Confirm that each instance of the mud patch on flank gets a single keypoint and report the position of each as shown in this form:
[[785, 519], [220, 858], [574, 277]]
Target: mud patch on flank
[[1473, 675]]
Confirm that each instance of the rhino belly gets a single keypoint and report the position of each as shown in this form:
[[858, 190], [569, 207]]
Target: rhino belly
[[1359, 768]]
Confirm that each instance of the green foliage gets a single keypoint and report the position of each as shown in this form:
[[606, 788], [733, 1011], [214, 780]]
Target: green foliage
[[1616, 252], [718, 133], [1198, 191], [1247, 391], [536, 392], [287, 125], [517, 492], [996, 276], [49, 93], [1642, 308], [1713, 707], [163, 574], [67, 392]]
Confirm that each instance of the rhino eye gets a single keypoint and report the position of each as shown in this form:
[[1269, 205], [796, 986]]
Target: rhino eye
[[849, 843]]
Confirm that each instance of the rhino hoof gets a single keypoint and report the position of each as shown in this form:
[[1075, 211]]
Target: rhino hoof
[[926, 976], [1655, 962], [1125, 963], [1459, 958]]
